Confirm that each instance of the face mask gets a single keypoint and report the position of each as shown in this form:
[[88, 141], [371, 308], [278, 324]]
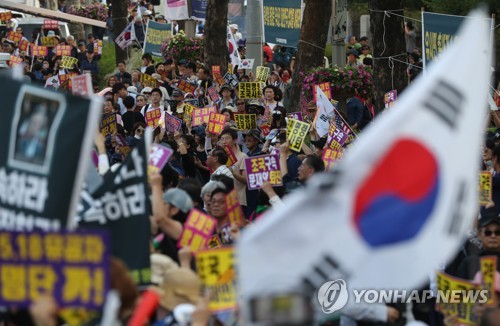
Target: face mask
[[137, 137]]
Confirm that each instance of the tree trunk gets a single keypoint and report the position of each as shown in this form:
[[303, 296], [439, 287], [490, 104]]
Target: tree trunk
[[52, 4], [216, 53], [311, 47], [76, 29], [119, 10], [390, 44]]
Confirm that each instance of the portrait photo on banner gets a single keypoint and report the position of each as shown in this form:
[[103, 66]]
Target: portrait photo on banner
[[37, 116]]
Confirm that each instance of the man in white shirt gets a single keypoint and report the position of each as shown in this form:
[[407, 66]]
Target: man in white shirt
[[156, 103], [217, 160], [229, 137]]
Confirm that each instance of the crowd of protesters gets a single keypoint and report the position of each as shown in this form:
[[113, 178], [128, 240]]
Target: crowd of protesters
[[197, 176]]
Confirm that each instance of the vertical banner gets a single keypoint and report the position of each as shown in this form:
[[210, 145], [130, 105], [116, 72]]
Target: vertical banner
[[176, 9], [156, 35], [199, 9], [215, 268], [298, 134], [197, 229], [121, 205], [282, 21], [340, 22], [72, 268], [216, 123], [488, 274], [485, 188], [262, 73], [41, 155], [439, 30], [260, 169], [82, 85], [234, 211]]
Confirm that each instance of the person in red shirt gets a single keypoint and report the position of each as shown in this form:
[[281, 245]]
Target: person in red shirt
[[267, 50]]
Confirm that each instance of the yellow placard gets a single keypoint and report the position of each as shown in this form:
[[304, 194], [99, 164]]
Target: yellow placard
[[249, 90], [488, 269], [485, 188], [262, 73], [68, 62], [49, 41], [330, 156], [188, 112], [245, 121], [217, 274], [147, 81], [297, 135]]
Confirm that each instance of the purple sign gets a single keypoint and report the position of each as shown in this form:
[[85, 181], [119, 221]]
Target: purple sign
[[295, 116], [158, 157], [261, 169], [336, 137], [73, 268], [172, 124]]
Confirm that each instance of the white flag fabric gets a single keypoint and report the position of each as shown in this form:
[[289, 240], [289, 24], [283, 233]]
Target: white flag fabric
[[233, 49], [53, 82], [176, 10], [400, 200], [325, 111], [127, 37]]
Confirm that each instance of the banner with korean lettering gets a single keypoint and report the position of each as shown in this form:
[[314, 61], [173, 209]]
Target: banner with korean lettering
[[201, 116], [186, 86], [298, 133], [282, 20], [148, 81], [176, 9], [330, 156], [158, 158], [248, 90], [245, 121], [485, 188], [188, 112], [488, 275], [39, 50], [48, 41], [72, 268], [63, 50], [109, 125], [5, 17], [295, 116], [172, 124], [260, 169], [82, 85], [325, 88], [231, 79], [336, 138], [216, 269], [69, 62], [121, 205], [156, 35], [234, 211], [199, 9], [262, 73], [231, 157], [438, 31], [153, 118], [216, 123], [217, 75], [41, 154], [197, 229]]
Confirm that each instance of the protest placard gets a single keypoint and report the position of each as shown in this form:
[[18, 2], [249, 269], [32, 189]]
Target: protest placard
[[108, 125], [65, 80], [193, 102], [260, 169], [216, 73], [212, 92], [463, 309], [23, 45], [197, 230], [45, 167], [265, 130], [188, 112], [121, 205], [201, 116], [39, 50], [122, 146], [488, 271], [69, 62], [63, 50], [262, 73], [48, 41], [72, 268], [15, 60], [231, 79], [234, 211], [295, 116], [186, 86], [247, 63], [325, 88], [231, 157], [216, 123], [297, 135], [5, 17], [172, 124], [485, 188], [14, 36], [82, 85], [249, 90], [50, 24], [336, 138], [245, 121], [153, 118], [330, 156], [390, 98], [215, 268], [148, 81], [158, 157], [156, 34]]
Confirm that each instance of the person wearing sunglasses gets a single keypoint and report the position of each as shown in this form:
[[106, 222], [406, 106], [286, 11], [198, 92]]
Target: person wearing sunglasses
[[488, 231]]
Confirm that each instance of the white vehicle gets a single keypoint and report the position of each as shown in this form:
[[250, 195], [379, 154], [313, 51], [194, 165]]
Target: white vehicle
[[4, 58], [30, 25], [16, 14]]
